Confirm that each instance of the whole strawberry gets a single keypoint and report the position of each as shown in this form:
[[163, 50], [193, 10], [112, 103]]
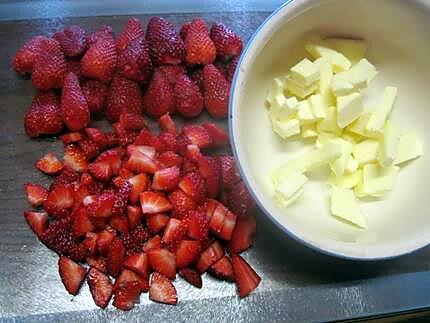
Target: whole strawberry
[[49, 67], [216, 92], [73, 40], [74, 107], [73, 65], [124, 97], [100, 60], [134, 61], [96, 94], [159, 98], [189, 100], [232, 68], [26, 55], [199, 47], [227, 43], [44, 117], [165, 44], [133, 30]]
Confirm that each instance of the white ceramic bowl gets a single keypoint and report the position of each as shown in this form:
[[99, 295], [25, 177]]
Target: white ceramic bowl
[[398, 37]]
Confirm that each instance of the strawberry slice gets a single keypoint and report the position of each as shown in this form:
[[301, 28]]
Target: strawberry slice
[[163, 261], [198, 135], [223, 269], [217, 218], [139, 162], [198, 225], [192, 276], [75, 158], [82, 223], [229, 173], [139, 183], [72, 274], [36, 194], [157, 222], [228, 226], [115, 256], [119, 223], [152, 243], [97, 136], [99, 263], [154, 202], [101, 287], [49, 164], [138, 263], [167, 142], [210, 169], [187, 252], [218, 135], [71, 137], [162, 290], [100, 171], [132, 121], [170, 159], [242, 234], [90, 243], [126, 296], [121, 198], [194, 186], [127, 276], [102, 206], [134, 215], [104, 240], [175, 231], [60, 199], [135, 239], [210, 256], [240, 200], [166, 123], [37, 221], [166, 179], [111, 157], [89, 147], [246, 278]]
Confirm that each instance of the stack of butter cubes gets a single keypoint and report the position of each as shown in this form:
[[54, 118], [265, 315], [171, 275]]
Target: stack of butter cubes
[[322, 99]]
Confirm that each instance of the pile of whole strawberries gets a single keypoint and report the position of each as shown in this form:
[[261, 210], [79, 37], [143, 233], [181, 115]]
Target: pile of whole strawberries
[[129, 208]]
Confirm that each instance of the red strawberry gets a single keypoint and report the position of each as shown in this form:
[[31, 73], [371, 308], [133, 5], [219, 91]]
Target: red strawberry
[[157, 222], [49, 164], [100, 286], [199, 47], [134, 61], [75, 158], [81, 193], [153, 243], [43, 117], [115, 256], [138, 263], [59, 200], [49, 67], [187, 252], [73, 40], [240, 200], [192, 276], [218, 135], [167, 142], [166, 179], [140, 162], [194, 186], [104, 240], [72, 274], [37, 220], [182, 142], [165, 45], [104, 32], [67, 176], [135, 215], [175, 231], [146, 138], [193, 153], [36, 194], [163, 261], [184, 30], [133, 30], [232, 68], [158, 98], [210, 169], [198, 135], [227, 43], [210, 256], [154, 202], [100, 171], [162, 290], [242, 234], [216, 92], [89, 147], [166, 123], [197, 78], [172, 72], [127, 295], [82, 223], [216, 214], [181, 203], [124, 97], [223, 269], [139, 183], [119, 223], [132, 121], [229, 224], [24, 58], [96, 94], [71, 137], [73, 66], [198, 225], [121, 199], [229, 174], [112, 139], [170, 159], [97, 136], [246, 278], [189, 100], [98, 263], [102, 206], [127, 276]]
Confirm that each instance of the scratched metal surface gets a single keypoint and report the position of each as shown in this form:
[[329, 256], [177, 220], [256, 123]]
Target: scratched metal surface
[[298, 284]]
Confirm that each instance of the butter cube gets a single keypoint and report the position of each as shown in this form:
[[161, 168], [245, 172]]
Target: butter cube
[[286, 128], [366, 151], [304, 113], [276, 88], [297, 89], [352, 137], [359, 126], [281, 172], [341, 86], [349, 108], [352, 165], [317, 106], [305, 72], [347, 180], [389, 144], [377, 181], [355, 79], [322, 156], [324, 138], [285, 110], [379, 116], [410, 147], [309, 131], [326, 75], [353, 49], [329, 124], [338, 166], [290, 189], [344, 205]]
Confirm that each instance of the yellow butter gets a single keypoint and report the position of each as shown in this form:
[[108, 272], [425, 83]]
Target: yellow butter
[[305, 72], [277, 87], [291, 188], [309, 131], [359, 126], [304, 113], [286, 109], [317, 106], [338, 166], [286, 128], [389, 144], [349, 108], [366, 151], [354, 79], [379, 116], [344, 205], [347, 180], [329, 124], [352, 165], [317, 48], [298, 90], [377, 181], [353, 49], [410, 147], [326, 75]]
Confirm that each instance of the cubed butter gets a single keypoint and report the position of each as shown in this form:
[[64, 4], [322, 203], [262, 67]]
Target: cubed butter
[[276, 88], [345, 206], [322, 156], [377, 181], [305, 72], [286, 128], [355, 79], [286, 110], [338, 166], [298, 90], [389, 144], [304, 113], [353, 49], [366, 151], [359, 126], [329, 123], [326, 75], [379, 116], [309, 131], [352, 165], [410, 147], [317, 106], [349, 108], [291, 188], [347, 180]]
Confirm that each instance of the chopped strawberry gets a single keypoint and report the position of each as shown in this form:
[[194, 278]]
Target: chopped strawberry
[[90, 244], [101, 171], [232, 68], [89, 147], [125, 96], [141, 163], [133, 30], [163, 261], [216, 216], [100, 286], [166, 179], [227, 43], [75, 158], [36, 194], [24, 58], [198, 225], [134, 62], [216, 92], [43, 117], [167, 142], [154, 202], [134, 240], [115, 256], [157, 222], [242, 234], [192, 276], [96, 94], [182, 142], [223, 269], [230, 220], [246, 278], [119, 223], [104, 240], [121, 198], [198, 135], [82, 224], [126, 276], [165, 45], [152, 243], [102, 206], [218, 135], [59, 200], [72, 274], [193, 153], [240, 200], [132, 121], [210, 256], [67, 176], [199, 47], [166, 123], [210, 169], [229, 174], [37, 220], [159, 98], [111, 139], [73, 40], [139, 183], [138, 263], [99, 263], [135, 215], [194, 186], [170, 159], [111, 157], [162, 290], [189, 100], [175, 231], [99, 61], [71, 137], [187, 252], [181, 203], [97, 136], [49, 66], [126, 296]]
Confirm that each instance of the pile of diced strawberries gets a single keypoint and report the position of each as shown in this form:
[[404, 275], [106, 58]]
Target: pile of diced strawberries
[[128, 208]]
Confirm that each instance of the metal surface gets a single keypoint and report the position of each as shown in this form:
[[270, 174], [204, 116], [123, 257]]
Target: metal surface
[[298, 284]]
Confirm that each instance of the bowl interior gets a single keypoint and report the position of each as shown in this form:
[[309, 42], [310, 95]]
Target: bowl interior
[[399, 46]]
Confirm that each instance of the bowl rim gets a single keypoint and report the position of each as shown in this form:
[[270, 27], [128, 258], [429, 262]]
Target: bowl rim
[[281, 10]]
